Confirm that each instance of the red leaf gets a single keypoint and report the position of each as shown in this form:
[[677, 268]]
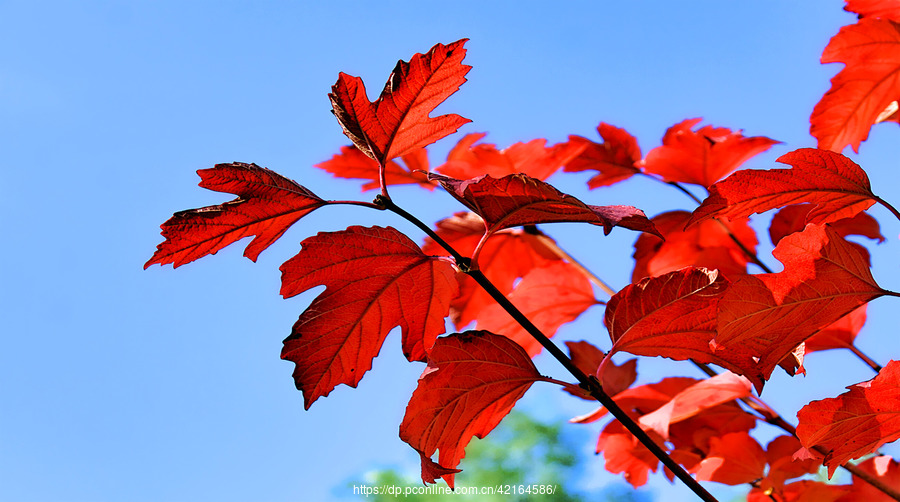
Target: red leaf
[[266, 206], [616, 158], [839, 334], [836, 185], [352, 163], [800, 491], [673, 315], [623, 453], [704, 156], [549, 296], [733, 459], [855, 423], [376, 279], [517, 199], [695, 399], [398, 122], [883, 468], [467, 160], [794, 219], [473, 380], [864, 89], [883, 9], [615, 378], [707, 245], [762, 318], [782, 466], [463, 231]]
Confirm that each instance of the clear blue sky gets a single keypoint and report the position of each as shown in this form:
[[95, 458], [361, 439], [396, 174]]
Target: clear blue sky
[[123, 384]]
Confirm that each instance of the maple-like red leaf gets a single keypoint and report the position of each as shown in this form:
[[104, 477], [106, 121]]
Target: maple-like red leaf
[[794, 218], [733, 459], [883, 468], [548, 296], [375, 279], [673, 315], [704, 156], [867, 87], [623, 453], [839, 334], [762, 318], [463, 231], [835, 184], [398, 122], [708, 245], [694, 400], [518, 199], [855, 423], [472, 381], [615, 159], [352, 163], [468, 160], [266, 206], [883, 9]]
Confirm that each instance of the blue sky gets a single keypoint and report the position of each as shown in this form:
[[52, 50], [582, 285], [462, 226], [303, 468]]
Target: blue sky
[[123, 384]]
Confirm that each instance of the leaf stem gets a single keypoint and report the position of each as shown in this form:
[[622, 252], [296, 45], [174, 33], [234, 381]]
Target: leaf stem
[[889, 207], [589, 384], [866, 359]]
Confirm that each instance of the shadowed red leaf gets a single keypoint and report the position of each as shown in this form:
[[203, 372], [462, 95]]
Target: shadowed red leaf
[[517, 199], [855, 423], [883, 9], [867, 86], [352, 163], [762, 318], [463, 231], [398, 122], [804, 490], [375, 279], [839, 334], [267, 205], [707, 245], [473, 380], [615, 159], [615, 378], [782, 466], [673, 315], [733, 459], [623, 453], [882, 467], [794, 219], [835, 184], [548, 296], [468, 160], [704, 156]]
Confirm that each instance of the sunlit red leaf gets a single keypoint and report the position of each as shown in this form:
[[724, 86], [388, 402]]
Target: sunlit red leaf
[[862, 91], [623, 453], [615, 378], [695, 399], [883, 9], [706, 245], [840, 334], [468, 160], [782, 465], [615, 159], [673, 315], [375, 279], [733, 459], [794, 219], [883, 468], [463, 231], [548, 296], [855, 423], [804, 490], [398, 122], [835, 184], [517, 199], [762, 318], [472, 381], [352, 163], [266, 206], [704, 156]]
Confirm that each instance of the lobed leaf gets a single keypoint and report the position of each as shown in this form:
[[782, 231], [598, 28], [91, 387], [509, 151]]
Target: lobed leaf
[[473, 380], [266, 206], [616, 159], [855, 423], [398, 122], [836, 185], [468, 160], [883, 9], [352, 163], [375, 279]]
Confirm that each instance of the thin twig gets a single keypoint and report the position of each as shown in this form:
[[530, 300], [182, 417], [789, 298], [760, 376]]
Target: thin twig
[[866, 359]]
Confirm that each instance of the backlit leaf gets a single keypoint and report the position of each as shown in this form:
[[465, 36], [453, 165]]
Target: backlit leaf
[[470, 160], [352, 163], [615, 159]]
